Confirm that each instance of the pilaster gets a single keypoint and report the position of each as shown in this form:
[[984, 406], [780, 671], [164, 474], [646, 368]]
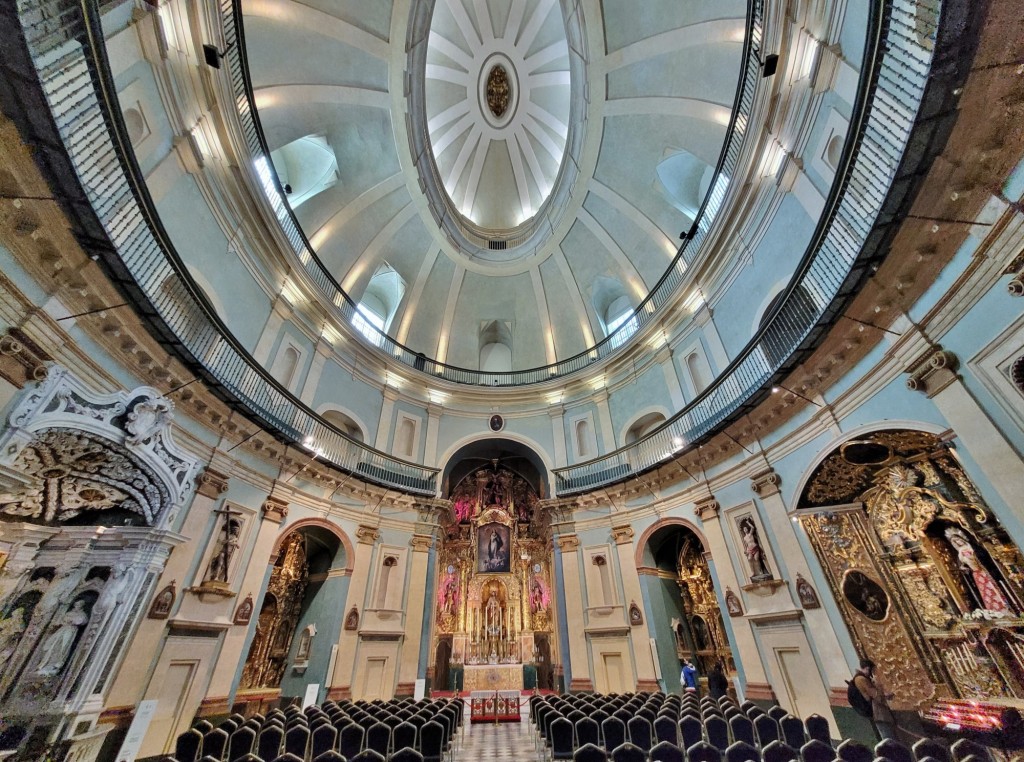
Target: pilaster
[[387, 412], [271, 330], [579, 663], [646, 675], [604, 415], [416, 598], [316, 369], [557, 415], [433, 428], [348, 641], [665, 358]]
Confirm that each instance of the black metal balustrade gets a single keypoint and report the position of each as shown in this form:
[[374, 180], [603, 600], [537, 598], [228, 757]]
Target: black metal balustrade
[[896, 72], [663, 291], [66, 46]]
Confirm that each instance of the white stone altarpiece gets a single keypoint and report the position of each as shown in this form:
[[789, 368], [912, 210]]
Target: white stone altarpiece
[[89, 484]]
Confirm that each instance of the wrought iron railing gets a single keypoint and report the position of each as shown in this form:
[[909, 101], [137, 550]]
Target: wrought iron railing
[[66, 46], [894, 76], [663, 291]]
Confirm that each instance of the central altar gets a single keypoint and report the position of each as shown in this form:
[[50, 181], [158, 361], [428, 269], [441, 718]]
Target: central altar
[[494, 594]]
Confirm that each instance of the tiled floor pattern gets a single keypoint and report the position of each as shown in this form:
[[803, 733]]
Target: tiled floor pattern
[[487, 741]]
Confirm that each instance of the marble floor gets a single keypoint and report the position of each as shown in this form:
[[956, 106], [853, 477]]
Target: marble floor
[[505, 741]]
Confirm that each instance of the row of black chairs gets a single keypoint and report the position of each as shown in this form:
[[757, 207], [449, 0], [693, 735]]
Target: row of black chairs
[[669, 728], [339, 730]]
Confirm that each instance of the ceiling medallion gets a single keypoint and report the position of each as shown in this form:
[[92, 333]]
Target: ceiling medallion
[[498, 91]]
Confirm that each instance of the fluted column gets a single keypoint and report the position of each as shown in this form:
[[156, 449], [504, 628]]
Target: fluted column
[[579, 662], [416, 598], [646, 676], [746, 651], [348, 640]]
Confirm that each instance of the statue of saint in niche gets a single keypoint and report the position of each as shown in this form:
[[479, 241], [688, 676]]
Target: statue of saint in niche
[[753, 551], [220, 563], [57, 647], [983, 587]]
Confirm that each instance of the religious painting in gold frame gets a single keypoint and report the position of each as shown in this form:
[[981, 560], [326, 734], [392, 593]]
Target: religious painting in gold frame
[[494, 548]]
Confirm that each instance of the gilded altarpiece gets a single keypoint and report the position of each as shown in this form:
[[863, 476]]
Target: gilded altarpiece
[[702, 610], [929, 584], [494, 582]]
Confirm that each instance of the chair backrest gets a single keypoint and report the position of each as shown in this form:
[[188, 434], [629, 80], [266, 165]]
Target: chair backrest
[[854, 751], [613, 730], [691, 731], [242, 742], [742, 730], [378, 738], [666, 751], [718, 732], [893, 750], [742, 752], [286, 757], [561, 738], [432, 740], [188, 746], [203, 726], [777, 751], [640, 733], [587, 732], [817, 751], [296, 739], [665, 729], [599, 716], [268, 745], [932, 747], [628, 752], [330, 756], [965, 748], [368, 755], [406, 755], [703, 752], [351, 741], [215, 743], [776, 712], [817, 729], [589, 752], [325, 738], [793, 731], [767, 730], [575, 715], [403, 736]]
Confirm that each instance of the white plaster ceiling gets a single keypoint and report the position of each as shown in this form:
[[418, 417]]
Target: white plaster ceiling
[[661, 78]]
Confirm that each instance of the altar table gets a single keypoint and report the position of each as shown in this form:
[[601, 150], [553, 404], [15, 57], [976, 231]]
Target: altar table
[[492, 677], [494, 706]]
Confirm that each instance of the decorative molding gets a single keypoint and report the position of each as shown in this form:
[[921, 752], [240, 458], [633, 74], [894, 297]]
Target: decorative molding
[[766, 483], [274, 509], [933, 371], [648, 686], [1016, 268], [568, 543], [22, 361], [581, 684], [212, 483], [622, 535], [339, 693], [759, 692], [214, 705], [366, 535], [421, 543], [706, 508]]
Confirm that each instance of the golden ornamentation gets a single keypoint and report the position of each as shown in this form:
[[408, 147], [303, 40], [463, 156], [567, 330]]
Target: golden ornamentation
[[499, 91]]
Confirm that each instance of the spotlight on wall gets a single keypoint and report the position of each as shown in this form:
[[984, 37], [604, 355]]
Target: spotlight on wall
[[770, 65], [212, 56], [687, 235]]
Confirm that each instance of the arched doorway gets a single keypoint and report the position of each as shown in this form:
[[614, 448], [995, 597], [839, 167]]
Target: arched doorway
[[300, 616], [927, 581], [686, 617]]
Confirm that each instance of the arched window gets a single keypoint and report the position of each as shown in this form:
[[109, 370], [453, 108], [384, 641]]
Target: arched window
[[390, 562], [700, 372], [789, 327], [620, 315], [379, 304], [643, 426], [348, 427]]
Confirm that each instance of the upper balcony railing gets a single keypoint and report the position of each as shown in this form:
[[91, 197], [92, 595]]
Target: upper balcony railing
[[896, 70], [663, 291], [65, 43]]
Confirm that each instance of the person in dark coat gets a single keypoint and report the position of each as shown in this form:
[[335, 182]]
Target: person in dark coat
[[718, 683]]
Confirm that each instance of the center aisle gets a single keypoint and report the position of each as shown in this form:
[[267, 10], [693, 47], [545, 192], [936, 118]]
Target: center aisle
[[507, 740]]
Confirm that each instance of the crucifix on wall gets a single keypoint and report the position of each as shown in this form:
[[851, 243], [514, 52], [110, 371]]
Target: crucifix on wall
[[220, 563]]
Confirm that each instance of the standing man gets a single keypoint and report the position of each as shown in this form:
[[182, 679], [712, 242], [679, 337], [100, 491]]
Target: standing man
[[881, 715], [688, 678]]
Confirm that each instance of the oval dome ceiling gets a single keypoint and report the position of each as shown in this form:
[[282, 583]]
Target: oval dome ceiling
[[489, 107], [497, 102]]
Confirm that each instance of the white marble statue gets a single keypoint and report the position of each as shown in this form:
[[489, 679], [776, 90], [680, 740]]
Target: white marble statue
[[57, 647]]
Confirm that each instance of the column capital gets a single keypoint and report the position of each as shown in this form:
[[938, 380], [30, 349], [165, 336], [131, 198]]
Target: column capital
[[212, 483], [434, 410], [601, 395], [421, 543], [568, 543], [366, 535], [766, 483], [390, 393], [933, 371], [556, 410], [275, 509], [706, 508], [663, 354], [623, 535]]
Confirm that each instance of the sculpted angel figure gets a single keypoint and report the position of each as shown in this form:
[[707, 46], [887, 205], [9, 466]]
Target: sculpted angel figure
[[57, 647]]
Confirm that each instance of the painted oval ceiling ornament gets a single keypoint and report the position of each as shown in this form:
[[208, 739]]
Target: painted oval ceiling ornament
[[498, 91]]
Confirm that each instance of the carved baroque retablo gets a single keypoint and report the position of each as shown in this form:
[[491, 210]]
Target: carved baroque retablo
[[498, 91]]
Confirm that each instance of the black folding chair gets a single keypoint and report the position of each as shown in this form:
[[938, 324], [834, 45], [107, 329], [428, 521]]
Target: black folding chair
[[666, 751]]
